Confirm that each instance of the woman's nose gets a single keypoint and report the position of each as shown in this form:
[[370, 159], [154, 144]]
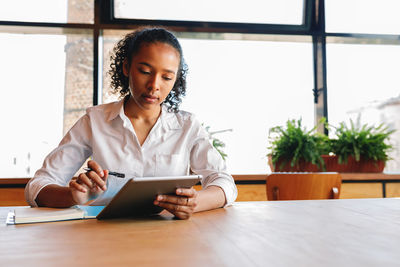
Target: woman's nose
[[154, 83]]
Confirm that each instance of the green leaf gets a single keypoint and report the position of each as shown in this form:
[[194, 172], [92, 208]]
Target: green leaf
[[295, 143], [217, 143], [361, 141]]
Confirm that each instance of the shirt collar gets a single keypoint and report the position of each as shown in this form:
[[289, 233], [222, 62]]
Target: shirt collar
[[168, 119], [114, 109]]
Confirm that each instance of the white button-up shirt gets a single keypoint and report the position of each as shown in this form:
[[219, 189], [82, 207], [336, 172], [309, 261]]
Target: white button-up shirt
[[176, 145]]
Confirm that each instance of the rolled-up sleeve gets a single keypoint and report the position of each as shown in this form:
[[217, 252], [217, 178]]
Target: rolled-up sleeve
[[206, 161], [63, 162]]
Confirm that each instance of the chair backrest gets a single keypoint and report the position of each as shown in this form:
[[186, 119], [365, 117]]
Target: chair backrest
[[302, 186]]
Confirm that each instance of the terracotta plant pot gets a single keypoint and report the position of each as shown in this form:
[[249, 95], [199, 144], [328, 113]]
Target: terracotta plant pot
[[302, 167], [371, 166], [332, 165]]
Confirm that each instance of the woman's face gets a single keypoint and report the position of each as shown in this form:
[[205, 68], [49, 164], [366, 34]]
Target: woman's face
[[152, 74]]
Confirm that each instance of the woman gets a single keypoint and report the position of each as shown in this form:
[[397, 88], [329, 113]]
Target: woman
[[143, 134]]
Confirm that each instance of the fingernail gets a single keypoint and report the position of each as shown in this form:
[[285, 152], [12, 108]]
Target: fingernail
[[179, 191], [104, 188], [160, 198], [156, 202], [102, 173]]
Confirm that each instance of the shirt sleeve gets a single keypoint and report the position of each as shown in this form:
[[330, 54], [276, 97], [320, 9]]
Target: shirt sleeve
[[206, 161], [64, 161]]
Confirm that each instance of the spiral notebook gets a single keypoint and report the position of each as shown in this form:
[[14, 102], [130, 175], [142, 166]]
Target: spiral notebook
[[36, 215]]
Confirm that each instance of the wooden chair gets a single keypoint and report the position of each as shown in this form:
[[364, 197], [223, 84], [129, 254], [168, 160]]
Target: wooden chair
[[302, 186]]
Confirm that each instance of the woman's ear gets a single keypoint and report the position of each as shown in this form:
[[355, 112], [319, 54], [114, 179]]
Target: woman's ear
[[125, 68]]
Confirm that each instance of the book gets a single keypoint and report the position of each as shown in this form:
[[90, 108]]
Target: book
[[36, 215]]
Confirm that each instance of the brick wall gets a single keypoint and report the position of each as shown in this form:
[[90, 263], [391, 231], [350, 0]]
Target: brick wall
[[78, 94]]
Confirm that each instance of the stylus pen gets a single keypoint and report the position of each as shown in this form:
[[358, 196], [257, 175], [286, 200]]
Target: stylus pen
[[116, 174]]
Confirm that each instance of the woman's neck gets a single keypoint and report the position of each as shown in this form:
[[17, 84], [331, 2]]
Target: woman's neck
[[134, 111]]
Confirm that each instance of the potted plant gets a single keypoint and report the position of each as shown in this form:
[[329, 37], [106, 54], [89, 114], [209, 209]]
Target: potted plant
[[295, 148], [217, 143], [360, 148]]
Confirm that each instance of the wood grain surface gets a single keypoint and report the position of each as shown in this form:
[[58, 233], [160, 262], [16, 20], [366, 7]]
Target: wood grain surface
[[352, 232]]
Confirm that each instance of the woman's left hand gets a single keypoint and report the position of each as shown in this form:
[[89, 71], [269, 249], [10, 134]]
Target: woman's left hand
[[182, 205]]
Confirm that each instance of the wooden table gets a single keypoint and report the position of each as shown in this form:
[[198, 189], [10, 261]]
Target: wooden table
[[351, 232]]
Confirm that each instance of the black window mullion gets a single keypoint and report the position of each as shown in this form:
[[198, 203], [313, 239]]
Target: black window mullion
[[319, 53], [96, 52]]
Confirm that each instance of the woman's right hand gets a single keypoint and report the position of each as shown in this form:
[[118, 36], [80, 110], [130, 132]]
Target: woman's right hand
[[89, 185]]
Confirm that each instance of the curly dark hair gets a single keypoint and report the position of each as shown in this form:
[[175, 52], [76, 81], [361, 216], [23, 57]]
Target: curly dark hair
[[129, 46]]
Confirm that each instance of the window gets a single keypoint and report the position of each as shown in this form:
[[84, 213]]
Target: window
[[251, 11], [241, 85], [237, 83], [48, 73], [59, 11], [363, 83], [363, 16], [251, 66], [46, 81]]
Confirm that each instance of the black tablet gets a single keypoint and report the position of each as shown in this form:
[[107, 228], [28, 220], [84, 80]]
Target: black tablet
[[136, 197]]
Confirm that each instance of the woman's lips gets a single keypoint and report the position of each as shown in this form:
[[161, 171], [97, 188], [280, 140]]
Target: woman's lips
[[150, 98]]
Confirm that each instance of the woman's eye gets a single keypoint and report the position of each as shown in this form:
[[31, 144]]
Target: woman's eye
[[144, 72], [167, 78]]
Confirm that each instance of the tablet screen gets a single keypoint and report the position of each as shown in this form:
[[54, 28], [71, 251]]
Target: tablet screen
[[136, 197]]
